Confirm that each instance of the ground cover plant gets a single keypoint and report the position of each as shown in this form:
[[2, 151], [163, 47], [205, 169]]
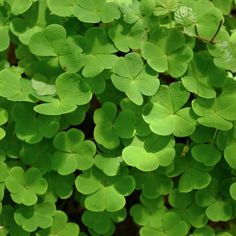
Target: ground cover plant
[[118, 117]]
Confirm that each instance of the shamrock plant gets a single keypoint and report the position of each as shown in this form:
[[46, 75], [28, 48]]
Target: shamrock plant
[[117, 117]]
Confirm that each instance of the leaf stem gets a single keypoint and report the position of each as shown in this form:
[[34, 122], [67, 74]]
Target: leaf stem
[[217, 31]]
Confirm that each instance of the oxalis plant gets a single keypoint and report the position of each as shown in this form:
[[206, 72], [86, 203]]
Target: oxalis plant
[[118, 117]]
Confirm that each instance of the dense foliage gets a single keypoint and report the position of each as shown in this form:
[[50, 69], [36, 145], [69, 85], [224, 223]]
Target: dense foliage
[[118, 117]]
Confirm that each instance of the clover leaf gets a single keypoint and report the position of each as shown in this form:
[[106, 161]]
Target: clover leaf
[[186, 208], [220, 211], [30, 127], [24, 29], [149, 212], [3, 120], [224, 53], [149, 153], [103, 222], [98, 52], [38, 155], [109, 165], [126, 36], [60, 227], [164, 114], [52, 42], [164, 56], [203, 75], [8, 224], [172, 225], [61, 8], [19, 7], [103, 192], [15, 88], [31, 217], [208, 154], [4, 174], [72, 91], [5, 39], [60, 186], [195, 176], [164, 7], [94, 11], [216, 113], [233, 191], [73, 152], [229, 154], [204, 231], [133, 78], [25, 186], [152, 184], [110, 127]]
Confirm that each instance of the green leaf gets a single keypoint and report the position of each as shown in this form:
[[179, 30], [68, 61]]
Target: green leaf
[[5, 39], [72, 91], [72, 152], [133, 78], [219, 211], [109, 165], [14, 88], [110, 127], [126, 36], [55, 108], [103, 192], [152, 184], [61, 8], [232, 191], [216, 113], [164, 56], [52, 42], [208, 154], [103, 222], [25, 186], [60, 227], [165, 6], [30, 128], [229, 154], [148, 154], [164, 114], [40, 215], [172, 225], [195, 176], [61, 186], [18, 7], [98, 51], [94, 11], [203, 75]]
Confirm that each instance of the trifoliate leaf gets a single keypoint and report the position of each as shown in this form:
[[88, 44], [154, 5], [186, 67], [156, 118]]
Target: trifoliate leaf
[[133, 78], [165, 56], [40, 215], [72, 152], [94, 11], [25, 186], [164, 114]]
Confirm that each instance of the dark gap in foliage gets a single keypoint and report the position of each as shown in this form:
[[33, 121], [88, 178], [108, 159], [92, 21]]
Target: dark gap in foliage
[[166, 79], [128, 226], [73, 210], [87, 126], [121, 54], [166, 202], [233, 12], [11, 55], [219, 224]]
